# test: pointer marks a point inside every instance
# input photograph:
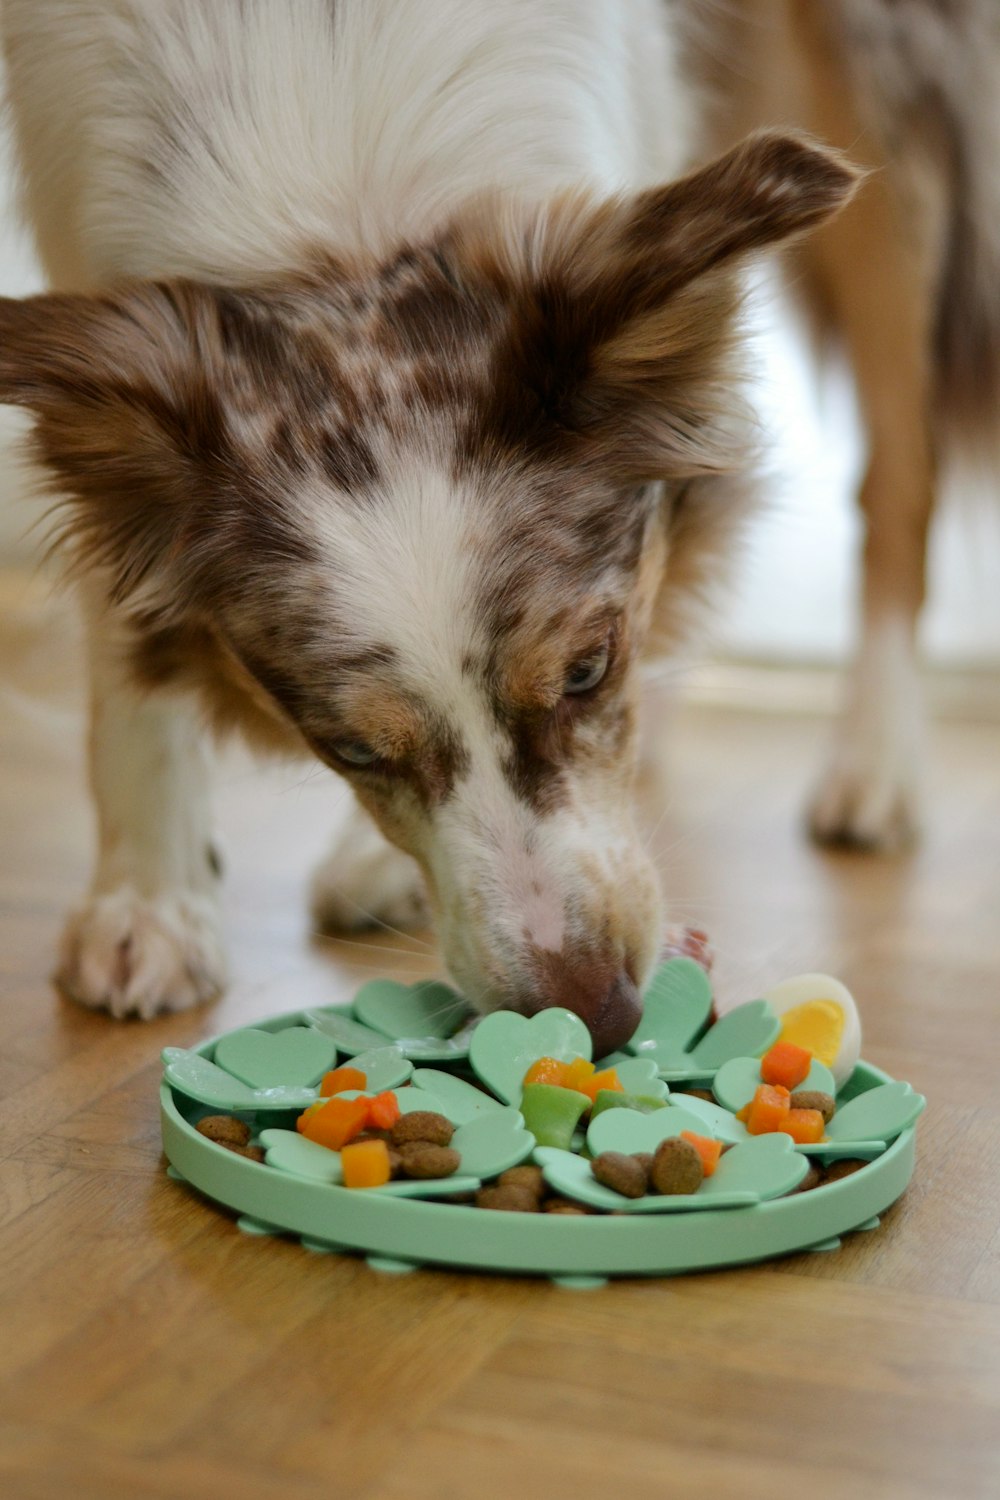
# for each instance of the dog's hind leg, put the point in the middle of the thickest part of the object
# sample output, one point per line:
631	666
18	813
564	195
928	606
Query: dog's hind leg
366	882
147	938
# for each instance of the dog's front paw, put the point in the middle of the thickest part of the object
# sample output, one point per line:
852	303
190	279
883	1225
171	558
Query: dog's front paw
871	795
365	883
135	956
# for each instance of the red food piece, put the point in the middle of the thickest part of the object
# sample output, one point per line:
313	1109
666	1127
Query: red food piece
708	1149
339	1080
769	1109
383	1111
334	1123
805	1126
786	1064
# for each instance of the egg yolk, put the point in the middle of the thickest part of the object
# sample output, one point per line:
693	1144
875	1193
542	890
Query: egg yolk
817	1025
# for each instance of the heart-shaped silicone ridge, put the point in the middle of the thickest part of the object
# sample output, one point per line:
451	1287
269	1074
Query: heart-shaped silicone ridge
736	1082
504	1045
461	1101
675	1007
383	1067
296	1057
490	1143
629	1131
571	1175
878	1114
350	1036
410	1011
195	1076
638	1075
287	1151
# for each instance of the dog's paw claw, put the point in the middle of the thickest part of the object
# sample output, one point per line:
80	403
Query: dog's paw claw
130	955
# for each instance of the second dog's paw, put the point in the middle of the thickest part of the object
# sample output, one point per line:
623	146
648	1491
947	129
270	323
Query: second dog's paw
135	956
367	883
868	802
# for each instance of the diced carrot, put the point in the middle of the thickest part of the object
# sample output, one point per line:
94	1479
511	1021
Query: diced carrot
365	1164
768	1109
334	1123
805	1126
383	1111
707	1149
607	1079
578	1074
744	1113
786	1064
339	1080
546	1070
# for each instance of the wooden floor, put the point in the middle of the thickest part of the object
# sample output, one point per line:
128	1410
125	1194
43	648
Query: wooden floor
147	1348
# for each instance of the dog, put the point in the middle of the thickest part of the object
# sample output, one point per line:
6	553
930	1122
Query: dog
391	381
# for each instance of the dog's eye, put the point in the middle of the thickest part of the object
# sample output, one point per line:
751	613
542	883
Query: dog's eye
355	752
586	674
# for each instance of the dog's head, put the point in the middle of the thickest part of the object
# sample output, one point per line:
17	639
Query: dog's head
421	515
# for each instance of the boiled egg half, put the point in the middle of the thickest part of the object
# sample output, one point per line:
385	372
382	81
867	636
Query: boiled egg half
818	1012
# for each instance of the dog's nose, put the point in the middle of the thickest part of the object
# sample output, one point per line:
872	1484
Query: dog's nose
612	1021
609	1006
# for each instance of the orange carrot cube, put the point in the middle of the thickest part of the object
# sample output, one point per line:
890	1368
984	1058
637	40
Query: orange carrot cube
708	1149
607	1079
805	1126
339	1080
786	1064
365	1164
768	1109
578	1074
383	1111
744	1113
546	1070
334	1123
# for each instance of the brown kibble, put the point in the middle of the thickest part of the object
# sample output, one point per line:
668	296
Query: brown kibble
226	1130
814	1099
563	1206
253	1153
645	1160
508	1199
705	1094
532	1178
844	1167
422	1125
811	1180
422	1159
676	1167
623	1173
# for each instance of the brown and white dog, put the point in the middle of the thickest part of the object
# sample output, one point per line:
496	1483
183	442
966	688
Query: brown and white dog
392	378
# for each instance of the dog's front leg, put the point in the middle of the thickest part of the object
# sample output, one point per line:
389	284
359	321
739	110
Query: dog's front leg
147	937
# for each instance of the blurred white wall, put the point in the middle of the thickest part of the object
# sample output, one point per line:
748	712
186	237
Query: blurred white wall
795	601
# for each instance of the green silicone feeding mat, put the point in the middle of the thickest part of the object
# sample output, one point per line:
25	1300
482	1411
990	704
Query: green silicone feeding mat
420	1042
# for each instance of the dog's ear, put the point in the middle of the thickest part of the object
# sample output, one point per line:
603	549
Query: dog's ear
125	391
623	314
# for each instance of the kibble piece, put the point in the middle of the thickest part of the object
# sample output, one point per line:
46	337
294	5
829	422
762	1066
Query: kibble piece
705	1094
676	1167
563	1206
508	1199
814	1099
623	1173
252	1153
645	1160
225	1129
423	1159
532	1178
422	1125
811	1180
843	1168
